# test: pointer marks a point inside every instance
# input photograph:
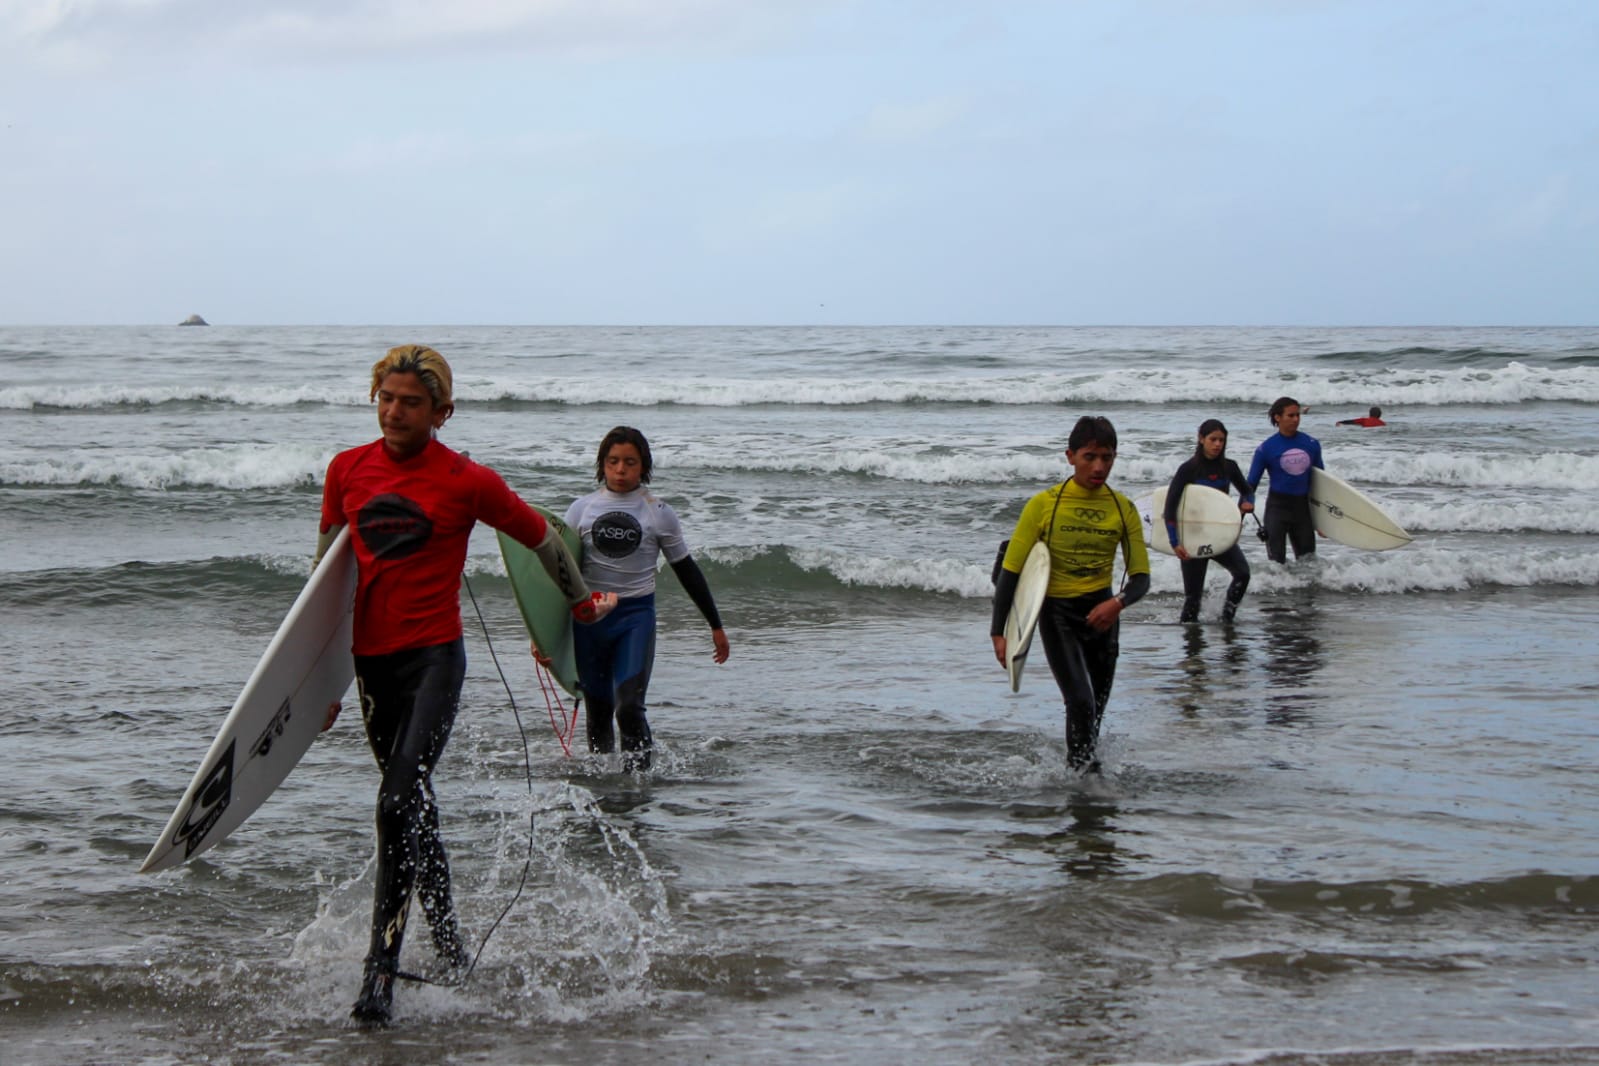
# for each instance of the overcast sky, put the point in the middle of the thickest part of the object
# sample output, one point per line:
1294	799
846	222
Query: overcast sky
800	161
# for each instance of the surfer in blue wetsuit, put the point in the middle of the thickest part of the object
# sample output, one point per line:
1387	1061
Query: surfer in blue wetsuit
1287	456
1210	467
625	528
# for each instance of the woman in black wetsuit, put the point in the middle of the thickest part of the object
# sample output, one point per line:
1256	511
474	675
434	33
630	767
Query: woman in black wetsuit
1210	467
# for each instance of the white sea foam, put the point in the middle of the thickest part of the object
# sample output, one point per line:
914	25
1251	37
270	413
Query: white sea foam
1513	383
92	396
1414	569
1490	514
233	466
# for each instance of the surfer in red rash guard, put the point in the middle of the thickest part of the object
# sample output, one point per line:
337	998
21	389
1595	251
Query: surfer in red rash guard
412	503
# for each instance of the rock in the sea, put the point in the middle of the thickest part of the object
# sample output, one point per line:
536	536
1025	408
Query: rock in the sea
194	320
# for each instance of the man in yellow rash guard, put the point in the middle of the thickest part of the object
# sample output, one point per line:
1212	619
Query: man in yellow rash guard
1084	521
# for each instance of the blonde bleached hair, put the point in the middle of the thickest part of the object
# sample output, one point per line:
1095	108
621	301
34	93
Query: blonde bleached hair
428	366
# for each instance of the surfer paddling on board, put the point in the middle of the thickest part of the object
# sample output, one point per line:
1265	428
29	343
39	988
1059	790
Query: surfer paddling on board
1371	420
1083	521
624	529
1287	457
1210	467
411	503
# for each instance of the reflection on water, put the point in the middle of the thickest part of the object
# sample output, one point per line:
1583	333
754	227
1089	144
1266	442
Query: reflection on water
1088	844
1294	657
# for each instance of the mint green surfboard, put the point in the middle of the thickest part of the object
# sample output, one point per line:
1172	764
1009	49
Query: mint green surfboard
545	611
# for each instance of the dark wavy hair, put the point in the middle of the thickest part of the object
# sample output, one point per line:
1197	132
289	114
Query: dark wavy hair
625	435
1281	404
1092	429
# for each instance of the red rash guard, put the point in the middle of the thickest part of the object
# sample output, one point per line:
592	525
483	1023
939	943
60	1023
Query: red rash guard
410	521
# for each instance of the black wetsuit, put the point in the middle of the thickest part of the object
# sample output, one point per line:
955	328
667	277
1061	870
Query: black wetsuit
408	704
1215	474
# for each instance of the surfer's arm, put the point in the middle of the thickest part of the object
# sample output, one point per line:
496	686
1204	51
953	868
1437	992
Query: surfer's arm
1246	494
1174	497
324	541
587	607
1257	467
1004	597
692	578
1104	614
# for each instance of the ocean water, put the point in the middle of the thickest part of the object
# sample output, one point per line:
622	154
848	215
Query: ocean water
1359	826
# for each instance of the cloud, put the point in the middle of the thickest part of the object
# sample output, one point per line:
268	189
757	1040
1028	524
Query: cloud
898	123
88	34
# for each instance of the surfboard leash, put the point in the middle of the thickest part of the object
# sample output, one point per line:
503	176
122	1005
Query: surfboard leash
565	727
527	766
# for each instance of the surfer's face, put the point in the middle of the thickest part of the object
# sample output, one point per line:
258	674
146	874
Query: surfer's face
1215	443
1288	420
1091	463
623	467
406	414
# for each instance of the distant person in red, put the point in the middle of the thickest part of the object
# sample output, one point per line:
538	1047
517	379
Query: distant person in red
1373	419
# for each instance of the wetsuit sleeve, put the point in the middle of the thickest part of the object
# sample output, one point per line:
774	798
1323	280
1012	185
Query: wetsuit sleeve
1029	529
1004	597
1174	498
693	581
1257	467
507	512
562	568
332	495
324	541
1134	553
1236	476
1319	464
1137	586
332	514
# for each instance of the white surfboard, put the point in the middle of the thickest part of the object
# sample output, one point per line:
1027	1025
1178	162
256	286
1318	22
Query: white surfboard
1343	513
1024	612
281	711
1208	521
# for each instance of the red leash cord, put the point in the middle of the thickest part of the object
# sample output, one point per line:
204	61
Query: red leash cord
564	724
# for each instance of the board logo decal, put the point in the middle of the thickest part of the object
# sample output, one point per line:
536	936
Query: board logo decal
616	534
274	729
210	800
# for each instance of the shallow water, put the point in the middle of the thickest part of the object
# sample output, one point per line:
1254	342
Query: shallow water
1357	827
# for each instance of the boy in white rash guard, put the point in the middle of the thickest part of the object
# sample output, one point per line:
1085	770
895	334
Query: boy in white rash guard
624	529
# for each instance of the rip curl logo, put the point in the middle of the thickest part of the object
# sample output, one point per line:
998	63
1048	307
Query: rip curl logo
616	534
1089	514
393	527
1294	461
210	800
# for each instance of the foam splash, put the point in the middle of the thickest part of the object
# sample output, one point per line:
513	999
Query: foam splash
1513	383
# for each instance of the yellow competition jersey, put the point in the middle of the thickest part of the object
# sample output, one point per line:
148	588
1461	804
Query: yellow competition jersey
1089	525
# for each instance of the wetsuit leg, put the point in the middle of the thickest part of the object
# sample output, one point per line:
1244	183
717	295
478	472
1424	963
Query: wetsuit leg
1237	565
615	656
632	659
1193	588
592	645
1084	664
408	702
1302	527
1277	520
